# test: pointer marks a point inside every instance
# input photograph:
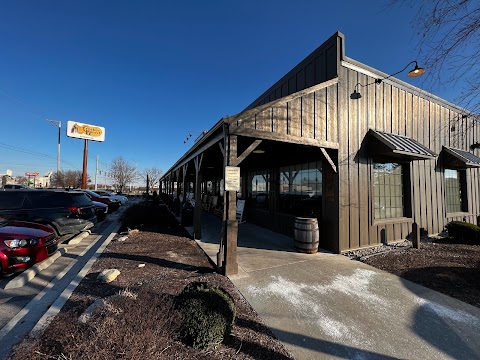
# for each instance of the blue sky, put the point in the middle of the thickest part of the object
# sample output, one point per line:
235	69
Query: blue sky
151	71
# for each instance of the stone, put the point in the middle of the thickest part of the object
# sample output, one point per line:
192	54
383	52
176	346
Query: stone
108	275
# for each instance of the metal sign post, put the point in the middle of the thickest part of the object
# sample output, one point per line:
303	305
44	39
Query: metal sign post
85	161
85	132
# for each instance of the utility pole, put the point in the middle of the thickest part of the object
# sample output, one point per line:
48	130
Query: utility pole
57	123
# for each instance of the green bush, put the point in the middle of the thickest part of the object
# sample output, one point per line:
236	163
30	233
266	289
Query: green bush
464	232
208	313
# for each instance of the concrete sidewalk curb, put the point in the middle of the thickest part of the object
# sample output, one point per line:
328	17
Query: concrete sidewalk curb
65	295
26	276
79	237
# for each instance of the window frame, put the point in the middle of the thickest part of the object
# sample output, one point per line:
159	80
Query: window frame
406	188
462	179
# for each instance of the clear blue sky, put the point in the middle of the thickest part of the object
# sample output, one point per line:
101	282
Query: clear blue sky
151	71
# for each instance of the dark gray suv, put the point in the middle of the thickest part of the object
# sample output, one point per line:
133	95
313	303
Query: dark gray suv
67	212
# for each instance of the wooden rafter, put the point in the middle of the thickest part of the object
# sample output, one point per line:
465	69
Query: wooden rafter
247	152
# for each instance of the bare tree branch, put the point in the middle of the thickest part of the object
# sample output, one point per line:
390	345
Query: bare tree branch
154	175
449	45
122	172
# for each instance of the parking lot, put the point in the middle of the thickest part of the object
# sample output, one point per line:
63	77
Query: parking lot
24	301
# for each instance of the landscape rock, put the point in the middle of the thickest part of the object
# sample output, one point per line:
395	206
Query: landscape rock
122	238
108	275
97	306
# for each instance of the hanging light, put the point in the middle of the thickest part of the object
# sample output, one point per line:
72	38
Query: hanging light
417	71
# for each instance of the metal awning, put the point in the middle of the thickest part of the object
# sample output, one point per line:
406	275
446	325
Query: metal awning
399	146
460	158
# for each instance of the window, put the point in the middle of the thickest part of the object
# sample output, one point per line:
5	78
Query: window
301	189
258	187
455	183
388	190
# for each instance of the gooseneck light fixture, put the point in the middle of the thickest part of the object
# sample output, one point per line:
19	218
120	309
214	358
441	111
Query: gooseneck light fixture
416	71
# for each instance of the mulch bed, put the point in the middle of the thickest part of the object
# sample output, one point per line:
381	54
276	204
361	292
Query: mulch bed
442	265
146	326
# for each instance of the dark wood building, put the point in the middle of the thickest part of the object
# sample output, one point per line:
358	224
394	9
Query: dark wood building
365	153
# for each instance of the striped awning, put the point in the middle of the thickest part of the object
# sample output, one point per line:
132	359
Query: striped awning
401	146
460	158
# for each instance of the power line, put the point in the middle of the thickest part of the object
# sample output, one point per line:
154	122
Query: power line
30	152
20	102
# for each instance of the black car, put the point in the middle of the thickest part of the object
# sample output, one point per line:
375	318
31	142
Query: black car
101	210
67	212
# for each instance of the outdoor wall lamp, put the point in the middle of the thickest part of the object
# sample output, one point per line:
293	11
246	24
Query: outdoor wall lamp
416	71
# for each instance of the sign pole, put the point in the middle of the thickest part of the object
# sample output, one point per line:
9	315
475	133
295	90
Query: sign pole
85	157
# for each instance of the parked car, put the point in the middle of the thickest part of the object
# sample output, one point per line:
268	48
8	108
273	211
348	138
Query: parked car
15	186
121	198
67	212
101	210
23	244
112	203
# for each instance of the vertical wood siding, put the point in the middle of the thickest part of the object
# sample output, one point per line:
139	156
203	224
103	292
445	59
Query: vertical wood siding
311	116
391	108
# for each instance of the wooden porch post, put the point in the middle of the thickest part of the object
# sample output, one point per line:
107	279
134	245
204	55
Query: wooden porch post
177	201
230	265
220	253
197	212
184	185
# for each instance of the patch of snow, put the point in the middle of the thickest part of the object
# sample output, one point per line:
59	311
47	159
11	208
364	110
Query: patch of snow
446	312
308	308
355	285
333	328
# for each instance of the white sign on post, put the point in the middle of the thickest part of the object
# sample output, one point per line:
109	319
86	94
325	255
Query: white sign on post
85	131
232	178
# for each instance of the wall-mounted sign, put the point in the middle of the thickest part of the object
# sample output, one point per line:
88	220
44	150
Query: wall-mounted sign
85	131
232	178
31	174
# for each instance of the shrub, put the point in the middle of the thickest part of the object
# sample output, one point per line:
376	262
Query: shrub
464	232
208	313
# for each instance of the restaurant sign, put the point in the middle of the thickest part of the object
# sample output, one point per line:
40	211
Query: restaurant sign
85	131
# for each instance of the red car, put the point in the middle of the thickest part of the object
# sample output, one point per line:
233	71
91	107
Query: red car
23	244
107	200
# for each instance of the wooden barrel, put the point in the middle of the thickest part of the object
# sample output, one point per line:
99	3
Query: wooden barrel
306	235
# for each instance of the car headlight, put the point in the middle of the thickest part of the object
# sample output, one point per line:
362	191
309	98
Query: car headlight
16	243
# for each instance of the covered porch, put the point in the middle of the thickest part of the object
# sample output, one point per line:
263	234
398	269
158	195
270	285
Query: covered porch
286	154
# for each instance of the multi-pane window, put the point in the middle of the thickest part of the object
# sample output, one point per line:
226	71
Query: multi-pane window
453	188
302	179
388	192
258	186
301	189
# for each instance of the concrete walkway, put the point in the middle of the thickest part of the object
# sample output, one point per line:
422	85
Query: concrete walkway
325	306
